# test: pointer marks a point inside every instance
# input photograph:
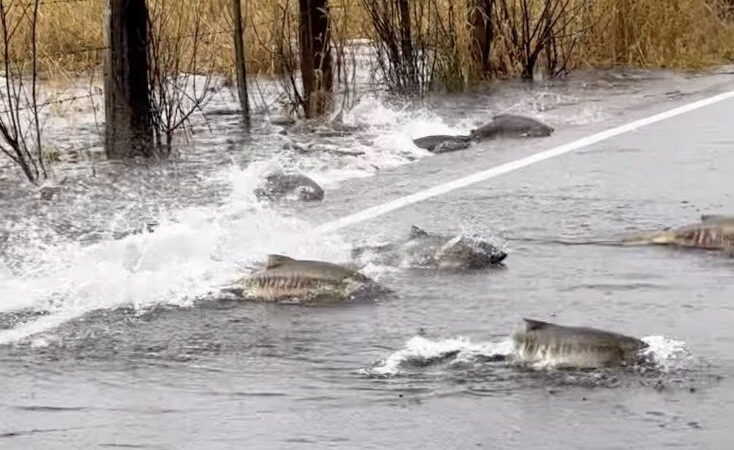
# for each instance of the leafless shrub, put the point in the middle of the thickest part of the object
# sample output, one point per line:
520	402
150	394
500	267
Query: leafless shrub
180	75
279	40
20	123
344	53
529	30
402	56
320	47
420	45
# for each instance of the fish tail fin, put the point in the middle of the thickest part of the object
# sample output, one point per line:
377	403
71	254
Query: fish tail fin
232	289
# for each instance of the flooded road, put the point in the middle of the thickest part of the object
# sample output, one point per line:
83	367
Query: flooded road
126	343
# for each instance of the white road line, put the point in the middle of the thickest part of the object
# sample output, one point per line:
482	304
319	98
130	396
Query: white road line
400	202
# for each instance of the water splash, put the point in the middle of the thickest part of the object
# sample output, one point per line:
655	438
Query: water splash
193	250
190	255
196	249
384	139
667	354
421	351
663	353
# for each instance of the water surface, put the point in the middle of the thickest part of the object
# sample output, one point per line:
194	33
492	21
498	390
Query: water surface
119	339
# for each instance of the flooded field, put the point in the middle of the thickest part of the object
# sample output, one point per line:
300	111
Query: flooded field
114	333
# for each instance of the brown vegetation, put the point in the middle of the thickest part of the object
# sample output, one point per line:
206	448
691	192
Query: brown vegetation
417	46
671	33
649	33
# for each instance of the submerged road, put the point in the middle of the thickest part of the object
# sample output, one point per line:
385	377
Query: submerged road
664	174
227	375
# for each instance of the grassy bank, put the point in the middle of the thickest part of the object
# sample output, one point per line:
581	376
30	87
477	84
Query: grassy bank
643	33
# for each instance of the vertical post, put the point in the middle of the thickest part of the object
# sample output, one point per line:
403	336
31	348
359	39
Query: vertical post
480	33
315	45
128	114
239	50
407	66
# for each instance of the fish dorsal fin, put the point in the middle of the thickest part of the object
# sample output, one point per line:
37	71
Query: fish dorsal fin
531	325
416	231
277	260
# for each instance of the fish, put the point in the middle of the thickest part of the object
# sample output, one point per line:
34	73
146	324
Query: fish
511	125
502	125
288	280
422	249
280	185
712	234
443	143
538	342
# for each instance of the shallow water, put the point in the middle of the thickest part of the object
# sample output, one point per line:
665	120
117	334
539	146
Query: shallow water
123	340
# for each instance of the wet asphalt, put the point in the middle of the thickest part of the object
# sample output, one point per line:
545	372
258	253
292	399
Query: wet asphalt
223	374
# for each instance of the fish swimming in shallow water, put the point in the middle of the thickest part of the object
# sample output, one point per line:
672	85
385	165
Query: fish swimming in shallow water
443	143
278	185
712	233
289	280
537	342
424	250
501	126
511	125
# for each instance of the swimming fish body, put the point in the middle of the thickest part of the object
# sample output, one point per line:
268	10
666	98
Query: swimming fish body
540	342
289	280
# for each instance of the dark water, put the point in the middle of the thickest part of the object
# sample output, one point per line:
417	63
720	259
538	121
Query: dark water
124	342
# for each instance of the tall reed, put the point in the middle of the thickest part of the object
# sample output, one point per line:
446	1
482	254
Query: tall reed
647	33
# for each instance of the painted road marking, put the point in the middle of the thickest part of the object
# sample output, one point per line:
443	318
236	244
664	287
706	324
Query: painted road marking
401	202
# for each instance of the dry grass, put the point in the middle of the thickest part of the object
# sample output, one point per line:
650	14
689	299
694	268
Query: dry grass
653	33
649	33
680	34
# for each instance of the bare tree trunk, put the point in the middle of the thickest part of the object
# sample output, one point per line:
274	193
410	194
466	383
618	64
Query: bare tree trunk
316	70
239	48
128	117
480	29
406	42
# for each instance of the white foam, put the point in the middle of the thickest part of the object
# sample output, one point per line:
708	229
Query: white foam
419	350
41	342
664	353
191	253
197	249
376	271
371	110
386	141
386	137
